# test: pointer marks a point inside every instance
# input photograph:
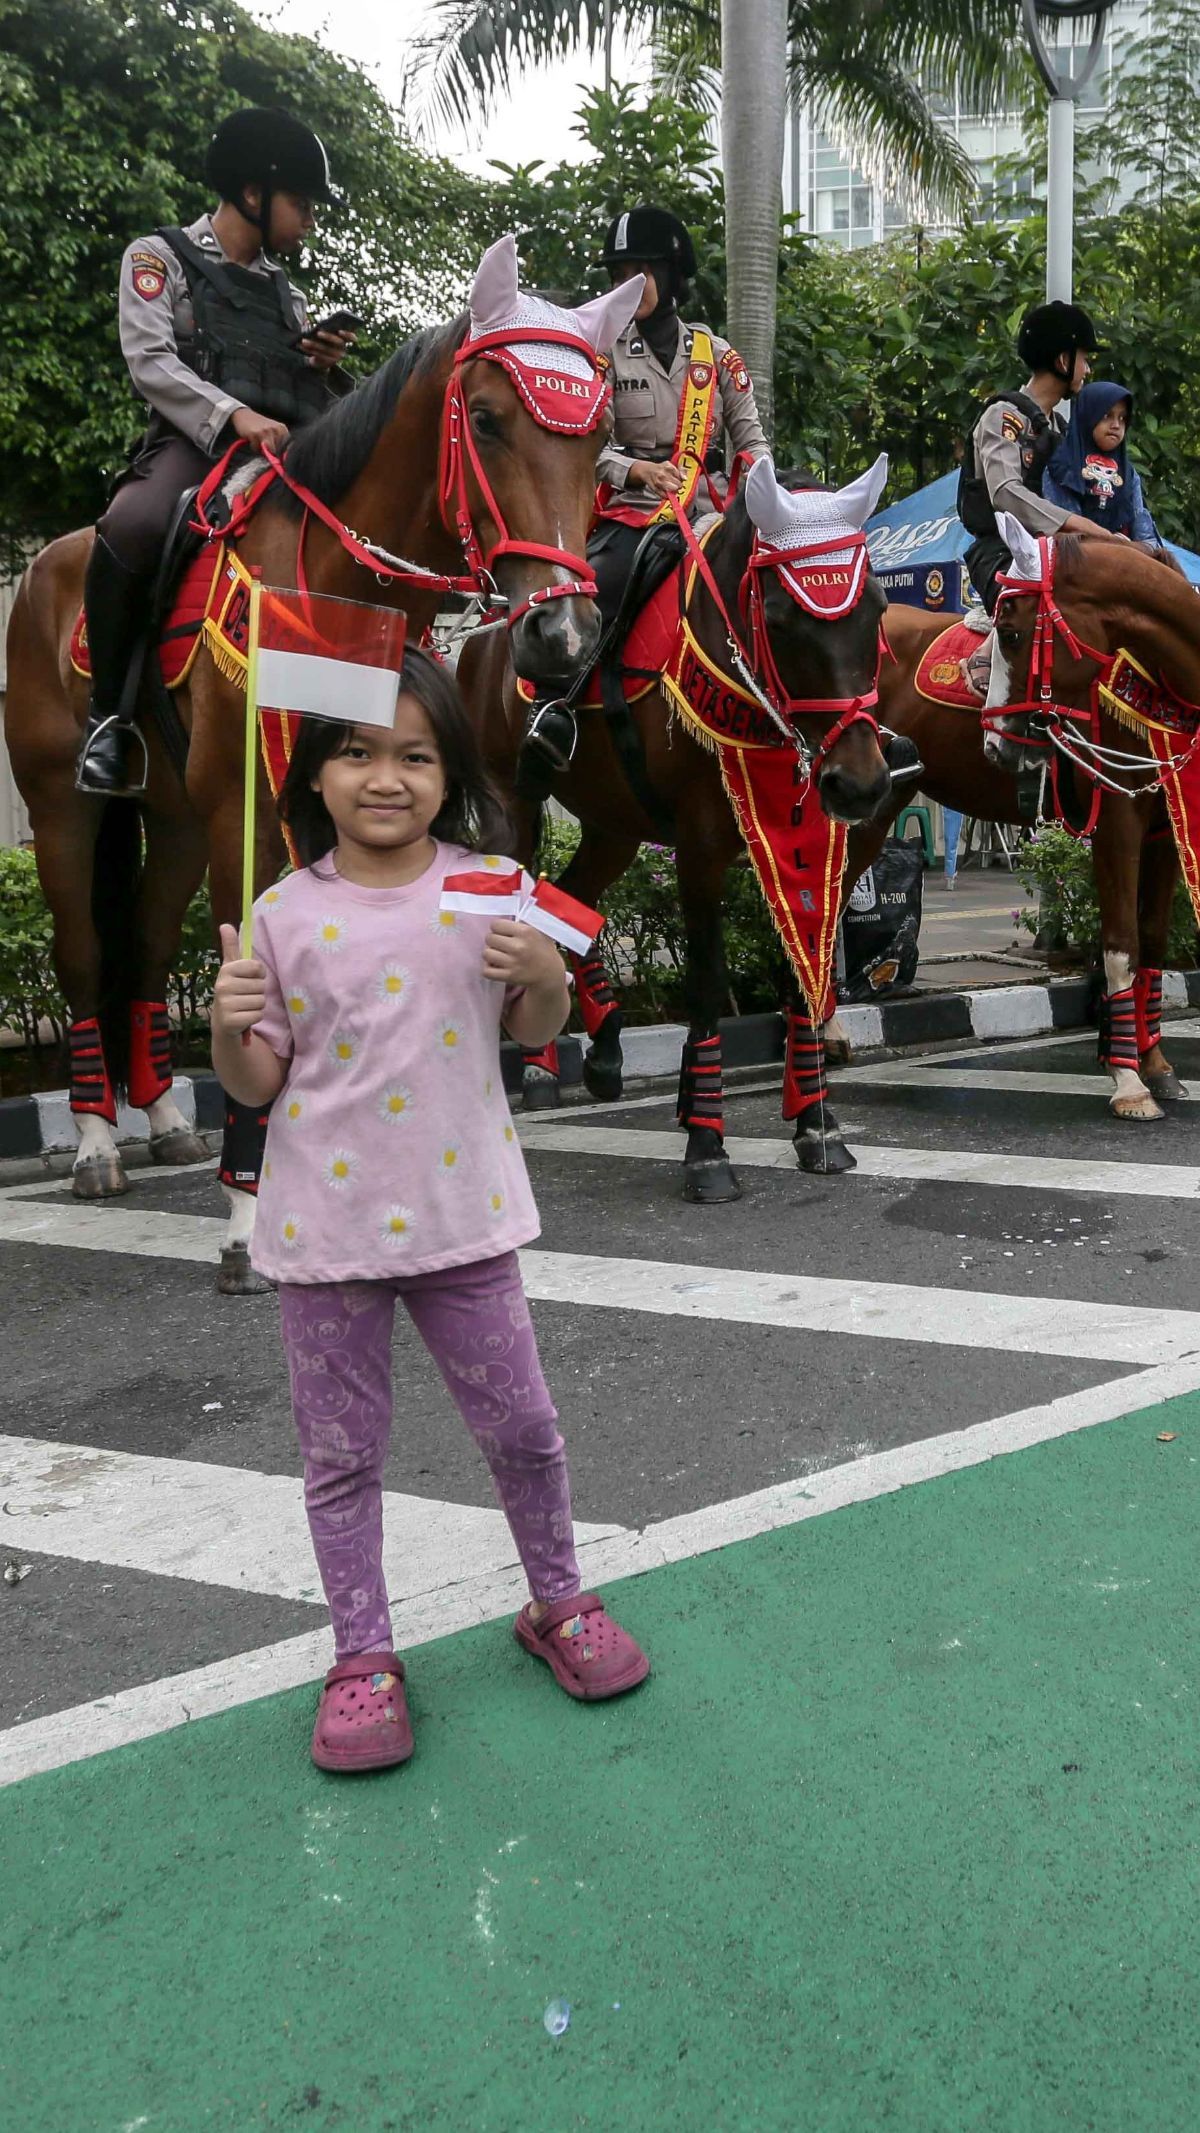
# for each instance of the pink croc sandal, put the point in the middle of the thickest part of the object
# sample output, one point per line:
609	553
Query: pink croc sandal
362	1718
589	1654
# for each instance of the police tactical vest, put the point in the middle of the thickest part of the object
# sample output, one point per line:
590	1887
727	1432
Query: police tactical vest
975	506
243	323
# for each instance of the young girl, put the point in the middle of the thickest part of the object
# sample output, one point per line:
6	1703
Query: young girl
392	1170
1090	471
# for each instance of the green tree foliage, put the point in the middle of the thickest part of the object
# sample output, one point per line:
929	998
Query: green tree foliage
106	107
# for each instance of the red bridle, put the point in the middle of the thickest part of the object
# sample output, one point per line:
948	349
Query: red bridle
783	706
458	454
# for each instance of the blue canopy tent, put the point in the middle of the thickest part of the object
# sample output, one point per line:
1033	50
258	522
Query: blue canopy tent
917	548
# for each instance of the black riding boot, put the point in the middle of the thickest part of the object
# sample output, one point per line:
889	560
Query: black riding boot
112	761
550	738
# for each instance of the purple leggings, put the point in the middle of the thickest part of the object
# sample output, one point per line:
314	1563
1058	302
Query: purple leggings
475	1322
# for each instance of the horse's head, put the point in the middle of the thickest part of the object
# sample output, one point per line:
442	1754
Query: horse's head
815	614
527	413
1050	641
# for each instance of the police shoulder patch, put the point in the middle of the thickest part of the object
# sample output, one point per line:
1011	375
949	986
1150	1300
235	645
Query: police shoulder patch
149	271
1012	425
732	362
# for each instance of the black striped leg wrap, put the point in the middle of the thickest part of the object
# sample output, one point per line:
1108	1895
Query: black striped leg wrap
803	1066
593	990
242	1145
1118	1031
91	1089
701	1092
1147	994
149	1052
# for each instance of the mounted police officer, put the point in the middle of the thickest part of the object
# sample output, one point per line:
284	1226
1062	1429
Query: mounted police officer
679	390
214	336
1008	449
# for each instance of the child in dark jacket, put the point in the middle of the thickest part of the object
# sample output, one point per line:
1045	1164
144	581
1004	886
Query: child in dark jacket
1091	473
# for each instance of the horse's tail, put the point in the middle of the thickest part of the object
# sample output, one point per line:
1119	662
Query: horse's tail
116	879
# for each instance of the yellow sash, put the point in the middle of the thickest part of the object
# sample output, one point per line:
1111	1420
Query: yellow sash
693	432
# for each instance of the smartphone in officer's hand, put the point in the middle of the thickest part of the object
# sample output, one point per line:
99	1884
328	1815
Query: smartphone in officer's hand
337	322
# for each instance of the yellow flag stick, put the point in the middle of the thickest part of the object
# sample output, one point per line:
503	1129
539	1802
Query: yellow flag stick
250	799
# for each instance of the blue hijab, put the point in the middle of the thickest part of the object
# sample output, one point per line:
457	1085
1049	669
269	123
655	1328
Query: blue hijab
1100	482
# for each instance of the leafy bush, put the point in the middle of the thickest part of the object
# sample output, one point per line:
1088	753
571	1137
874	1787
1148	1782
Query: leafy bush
29	994
29	991
1058	867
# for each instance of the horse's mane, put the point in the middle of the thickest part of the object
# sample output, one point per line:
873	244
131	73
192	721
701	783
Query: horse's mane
329	455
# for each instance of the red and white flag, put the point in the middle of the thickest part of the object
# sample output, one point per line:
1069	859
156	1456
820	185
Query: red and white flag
495	891
327	658
572	924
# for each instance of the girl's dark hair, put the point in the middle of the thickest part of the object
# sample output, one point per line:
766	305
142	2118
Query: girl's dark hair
473	813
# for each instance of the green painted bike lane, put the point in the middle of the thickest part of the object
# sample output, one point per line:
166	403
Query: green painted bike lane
902	1833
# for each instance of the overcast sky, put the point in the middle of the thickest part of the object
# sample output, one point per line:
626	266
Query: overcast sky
534	122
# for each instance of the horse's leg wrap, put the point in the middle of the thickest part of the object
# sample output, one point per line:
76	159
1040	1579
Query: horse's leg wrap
149	1052
91	1089
803	1065
546	1061
1147	998
1118	1031
242	1145
593	990
701	1092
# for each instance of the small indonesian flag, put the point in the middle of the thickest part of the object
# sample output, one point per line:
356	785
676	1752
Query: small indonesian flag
491	892
572	924
498	889
326	658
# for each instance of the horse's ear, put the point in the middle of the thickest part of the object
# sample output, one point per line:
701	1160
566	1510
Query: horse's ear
604	319
857	501
1022	546
495	288
769	507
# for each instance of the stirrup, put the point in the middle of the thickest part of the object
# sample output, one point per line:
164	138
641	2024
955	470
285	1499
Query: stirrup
536	736
122	788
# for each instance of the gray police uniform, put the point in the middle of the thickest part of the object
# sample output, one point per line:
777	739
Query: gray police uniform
189	413
646	399
1003	464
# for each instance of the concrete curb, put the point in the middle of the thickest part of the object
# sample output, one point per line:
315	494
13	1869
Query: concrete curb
42	1124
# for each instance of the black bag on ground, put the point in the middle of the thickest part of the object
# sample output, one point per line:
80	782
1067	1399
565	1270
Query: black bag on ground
881	922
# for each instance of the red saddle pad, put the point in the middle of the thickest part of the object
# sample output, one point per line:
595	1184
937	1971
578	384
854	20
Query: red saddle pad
179	639
938	676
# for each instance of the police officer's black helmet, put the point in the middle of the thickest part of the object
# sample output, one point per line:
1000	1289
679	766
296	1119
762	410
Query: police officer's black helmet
271	149
653	235
1051	330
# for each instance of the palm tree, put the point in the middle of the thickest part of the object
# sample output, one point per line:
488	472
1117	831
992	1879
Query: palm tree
863	65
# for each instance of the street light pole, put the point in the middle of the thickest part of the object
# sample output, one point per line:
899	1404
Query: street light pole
1064	91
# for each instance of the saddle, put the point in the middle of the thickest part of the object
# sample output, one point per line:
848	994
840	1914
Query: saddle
939	675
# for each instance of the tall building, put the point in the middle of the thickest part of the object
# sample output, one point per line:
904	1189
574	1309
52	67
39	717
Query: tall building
844	206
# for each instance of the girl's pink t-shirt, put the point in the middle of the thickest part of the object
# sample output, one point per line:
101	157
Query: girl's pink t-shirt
391	1149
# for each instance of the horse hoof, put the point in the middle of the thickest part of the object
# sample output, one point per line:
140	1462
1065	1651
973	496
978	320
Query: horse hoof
236	1276
603	1078
1166	1088
177	1147
539	1090
102	1177
1138	1108
824	1154
710	1182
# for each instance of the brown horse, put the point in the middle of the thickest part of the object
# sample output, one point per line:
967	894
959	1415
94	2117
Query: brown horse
682	795
1109	597
512	490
